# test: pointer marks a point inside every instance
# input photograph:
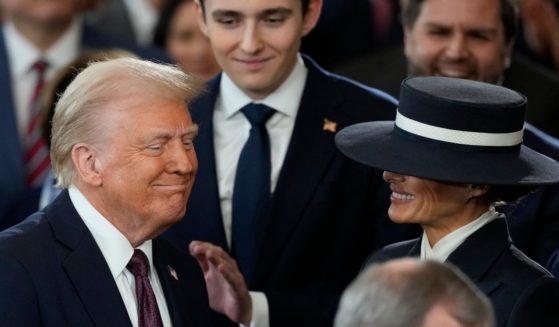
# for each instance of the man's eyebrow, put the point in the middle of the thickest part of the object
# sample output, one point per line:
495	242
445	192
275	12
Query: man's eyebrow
276	11
192	129
219	13
477	29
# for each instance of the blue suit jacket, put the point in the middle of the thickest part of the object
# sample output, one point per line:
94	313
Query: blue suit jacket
521	291
12	168
53	274
327	211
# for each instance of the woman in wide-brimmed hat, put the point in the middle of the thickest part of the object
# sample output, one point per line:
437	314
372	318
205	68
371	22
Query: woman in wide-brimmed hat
455	151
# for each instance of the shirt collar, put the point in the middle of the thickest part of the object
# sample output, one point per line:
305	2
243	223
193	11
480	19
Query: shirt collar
116	249
450	242
284	99
23	54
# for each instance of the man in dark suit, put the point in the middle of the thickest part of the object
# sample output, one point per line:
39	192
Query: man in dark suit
33	31
122	146
473	39
320	212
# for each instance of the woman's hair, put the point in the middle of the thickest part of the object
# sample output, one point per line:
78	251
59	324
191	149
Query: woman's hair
163	26
504	194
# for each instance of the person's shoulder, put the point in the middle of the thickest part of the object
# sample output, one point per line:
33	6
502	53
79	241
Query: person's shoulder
363	103
523	267
26	241
391	251
540	141
349	86
25	231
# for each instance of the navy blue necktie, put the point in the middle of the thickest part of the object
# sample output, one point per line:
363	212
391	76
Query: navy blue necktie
252	190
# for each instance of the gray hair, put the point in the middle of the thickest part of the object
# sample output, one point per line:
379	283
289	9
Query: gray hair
386	296
78	116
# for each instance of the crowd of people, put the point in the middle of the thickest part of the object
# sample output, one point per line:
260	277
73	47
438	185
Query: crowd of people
248	162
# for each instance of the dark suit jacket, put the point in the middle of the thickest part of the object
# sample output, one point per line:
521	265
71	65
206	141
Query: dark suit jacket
521	291
12	168
53	274
327	211
533	223
112	17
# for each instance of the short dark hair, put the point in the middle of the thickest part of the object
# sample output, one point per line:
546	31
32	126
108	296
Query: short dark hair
304	4
509	15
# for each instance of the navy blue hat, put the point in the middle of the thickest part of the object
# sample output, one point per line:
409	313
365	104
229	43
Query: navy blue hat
454	130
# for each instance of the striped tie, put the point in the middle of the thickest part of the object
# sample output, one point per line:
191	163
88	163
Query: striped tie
37	160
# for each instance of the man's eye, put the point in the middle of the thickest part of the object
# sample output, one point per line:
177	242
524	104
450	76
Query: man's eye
155	147
188	144
227	21
437	32
274	20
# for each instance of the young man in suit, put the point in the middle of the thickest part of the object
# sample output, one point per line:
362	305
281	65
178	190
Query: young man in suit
297	215
122	146
52	34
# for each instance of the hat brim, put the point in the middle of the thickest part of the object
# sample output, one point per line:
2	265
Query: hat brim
379	145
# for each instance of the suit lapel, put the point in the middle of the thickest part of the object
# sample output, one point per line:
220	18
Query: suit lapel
493	238
303	169
170	284
86	266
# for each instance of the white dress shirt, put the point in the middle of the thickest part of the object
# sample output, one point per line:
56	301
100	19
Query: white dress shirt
231	131
22	54
117	251
450	242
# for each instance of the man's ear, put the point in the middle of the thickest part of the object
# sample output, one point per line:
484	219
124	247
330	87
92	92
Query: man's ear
312	15
200	18
87	164
478	190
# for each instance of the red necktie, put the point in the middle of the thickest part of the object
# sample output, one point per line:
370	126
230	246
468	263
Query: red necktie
148	311
37	160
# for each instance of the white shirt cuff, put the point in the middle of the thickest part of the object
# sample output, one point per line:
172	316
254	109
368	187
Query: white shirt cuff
260	310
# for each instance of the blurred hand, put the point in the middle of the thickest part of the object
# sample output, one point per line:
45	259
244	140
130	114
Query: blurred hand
227	290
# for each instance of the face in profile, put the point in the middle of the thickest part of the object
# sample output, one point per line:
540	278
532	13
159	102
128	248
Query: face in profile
188	45
433	204
148	167
256	41
458	38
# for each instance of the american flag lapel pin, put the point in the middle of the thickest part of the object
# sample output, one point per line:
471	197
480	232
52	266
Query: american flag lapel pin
329	125
173	272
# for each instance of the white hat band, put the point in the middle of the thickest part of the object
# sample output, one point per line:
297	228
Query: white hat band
457	136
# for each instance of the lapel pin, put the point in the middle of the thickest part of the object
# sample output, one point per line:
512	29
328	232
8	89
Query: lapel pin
329	125
173	273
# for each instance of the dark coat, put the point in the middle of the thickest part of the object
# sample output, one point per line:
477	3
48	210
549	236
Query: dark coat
53	275
521	291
